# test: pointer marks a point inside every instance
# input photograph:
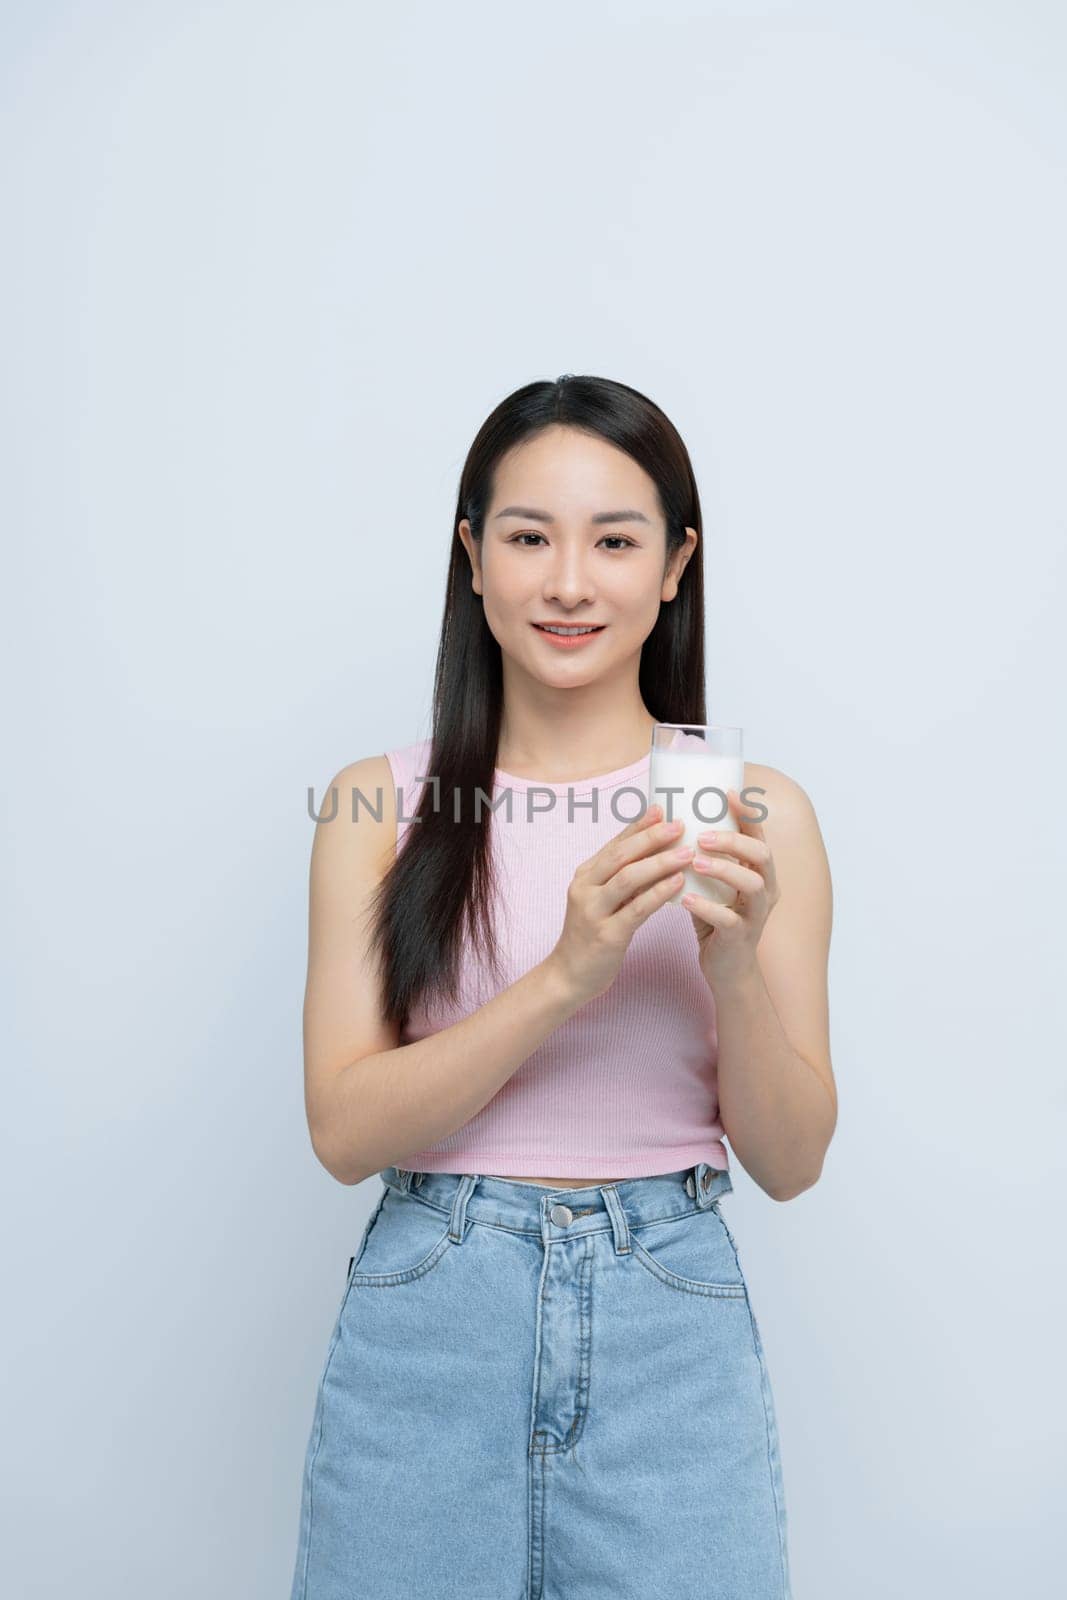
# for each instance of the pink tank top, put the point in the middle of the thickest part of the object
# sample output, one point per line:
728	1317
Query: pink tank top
627	1085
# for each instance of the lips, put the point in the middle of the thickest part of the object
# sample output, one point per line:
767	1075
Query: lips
592	627
569	641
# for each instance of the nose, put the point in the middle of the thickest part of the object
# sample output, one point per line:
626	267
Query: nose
568	581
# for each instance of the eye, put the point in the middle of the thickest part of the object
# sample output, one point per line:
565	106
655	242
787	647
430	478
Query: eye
619	539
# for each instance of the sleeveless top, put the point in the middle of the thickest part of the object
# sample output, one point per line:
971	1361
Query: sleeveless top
627	1084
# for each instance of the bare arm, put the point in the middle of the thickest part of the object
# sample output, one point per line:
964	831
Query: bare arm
397	1101
776	1080
372	1101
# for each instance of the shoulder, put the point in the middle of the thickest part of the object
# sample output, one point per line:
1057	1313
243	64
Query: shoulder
368	775
789	806
356	816
790	827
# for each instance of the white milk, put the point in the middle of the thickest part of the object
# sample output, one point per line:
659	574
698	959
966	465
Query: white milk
691	770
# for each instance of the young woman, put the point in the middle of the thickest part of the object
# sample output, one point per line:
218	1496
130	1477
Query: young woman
544	1387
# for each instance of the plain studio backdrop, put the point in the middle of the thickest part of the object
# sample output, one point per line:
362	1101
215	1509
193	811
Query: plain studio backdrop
266	269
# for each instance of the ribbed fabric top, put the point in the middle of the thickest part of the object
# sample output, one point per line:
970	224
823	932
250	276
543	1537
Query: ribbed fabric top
627	1085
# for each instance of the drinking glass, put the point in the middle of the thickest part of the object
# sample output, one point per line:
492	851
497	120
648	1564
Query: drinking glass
692	766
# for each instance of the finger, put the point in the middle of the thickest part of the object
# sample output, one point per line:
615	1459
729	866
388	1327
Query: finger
710	912
750	841
744	879
642	905
645	819
756	852
754	831
629	847
647	870
651	817
603	862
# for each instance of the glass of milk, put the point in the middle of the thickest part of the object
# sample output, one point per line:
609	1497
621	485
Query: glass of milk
692	767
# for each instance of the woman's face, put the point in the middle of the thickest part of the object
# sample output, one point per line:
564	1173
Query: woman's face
573	534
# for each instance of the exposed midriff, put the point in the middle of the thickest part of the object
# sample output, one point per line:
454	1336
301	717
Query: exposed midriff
564	1183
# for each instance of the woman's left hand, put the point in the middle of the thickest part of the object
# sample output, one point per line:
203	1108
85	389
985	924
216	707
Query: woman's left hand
727	936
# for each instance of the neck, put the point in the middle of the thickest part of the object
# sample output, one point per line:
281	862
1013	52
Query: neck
563	749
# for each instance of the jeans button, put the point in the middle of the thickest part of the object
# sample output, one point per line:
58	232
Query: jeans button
562	1216
705	1182
690	1187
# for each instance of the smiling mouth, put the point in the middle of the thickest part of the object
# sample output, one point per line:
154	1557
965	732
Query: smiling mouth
564	632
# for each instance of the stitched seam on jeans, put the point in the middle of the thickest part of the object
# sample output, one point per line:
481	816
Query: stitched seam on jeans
585	1330
778	1509
712	1291
389	1280
334	1342
368	1230
310	1507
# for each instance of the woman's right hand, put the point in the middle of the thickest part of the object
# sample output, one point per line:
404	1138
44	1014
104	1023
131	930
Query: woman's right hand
612	894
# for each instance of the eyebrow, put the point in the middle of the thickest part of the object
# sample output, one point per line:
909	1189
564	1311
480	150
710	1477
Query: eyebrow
533	515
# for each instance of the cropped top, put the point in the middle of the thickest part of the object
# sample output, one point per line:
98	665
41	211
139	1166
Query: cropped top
627	1084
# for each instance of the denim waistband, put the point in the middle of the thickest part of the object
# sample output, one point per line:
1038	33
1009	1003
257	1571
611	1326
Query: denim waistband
529	1208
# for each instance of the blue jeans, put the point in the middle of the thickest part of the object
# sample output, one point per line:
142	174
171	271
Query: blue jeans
538	1394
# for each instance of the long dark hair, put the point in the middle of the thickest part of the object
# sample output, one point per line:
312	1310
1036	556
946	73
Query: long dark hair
440	888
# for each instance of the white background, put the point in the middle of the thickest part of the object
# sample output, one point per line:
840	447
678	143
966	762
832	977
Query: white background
266	268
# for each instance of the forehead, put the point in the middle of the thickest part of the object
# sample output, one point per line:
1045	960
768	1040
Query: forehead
564	469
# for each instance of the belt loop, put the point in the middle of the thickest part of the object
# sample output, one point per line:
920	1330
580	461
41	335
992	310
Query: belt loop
619	1225
458	1219
703	1180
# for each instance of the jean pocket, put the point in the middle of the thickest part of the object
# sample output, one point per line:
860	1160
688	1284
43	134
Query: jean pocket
404	1239
694	1253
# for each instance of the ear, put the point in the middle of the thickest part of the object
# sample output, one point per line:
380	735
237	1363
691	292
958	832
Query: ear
474	554
677	565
